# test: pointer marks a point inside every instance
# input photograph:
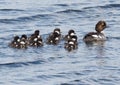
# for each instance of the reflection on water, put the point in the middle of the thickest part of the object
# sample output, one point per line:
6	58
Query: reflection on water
99	47
100	51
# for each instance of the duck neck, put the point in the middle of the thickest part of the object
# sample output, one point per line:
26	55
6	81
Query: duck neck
98	32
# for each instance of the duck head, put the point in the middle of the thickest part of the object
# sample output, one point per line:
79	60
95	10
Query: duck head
71	32
36	32
16	38
24	37
57	30
100	26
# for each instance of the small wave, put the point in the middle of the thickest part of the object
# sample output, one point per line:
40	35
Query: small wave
105	80
111	6
14	64
46	16
70	11
25	18
75	82
66	84
105	6
62	5
116	38
11	10
19	19
20	64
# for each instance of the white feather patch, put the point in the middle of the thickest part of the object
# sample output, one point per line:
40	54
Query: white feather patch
15	43
38	36
18	40
73	39
95	36
39	41
68	36
22	42
35	44
35	39
100	37
56	38
71	43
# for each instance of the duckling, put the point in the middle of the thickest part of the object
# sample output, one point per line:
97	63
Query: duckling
54	37
35	39
15	43
71	44
23	41
69	35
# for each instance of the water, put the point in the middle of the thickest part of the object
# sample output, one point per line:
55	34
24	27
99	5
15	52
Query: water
97	64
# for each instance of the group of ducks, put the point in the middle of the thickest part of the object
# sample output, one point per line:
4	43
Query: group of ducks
55	37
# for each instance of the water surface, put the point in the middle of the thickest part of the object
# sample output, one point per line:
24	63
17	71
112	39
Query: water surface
97	64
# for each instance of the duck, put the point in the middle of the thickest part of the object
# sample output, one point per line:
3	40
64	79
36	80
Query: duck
15	43
98	35
71	44
35	39
70	34
54	37
23	41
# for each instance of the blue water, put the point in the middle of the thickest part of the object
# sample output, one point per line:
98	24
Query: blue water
96	64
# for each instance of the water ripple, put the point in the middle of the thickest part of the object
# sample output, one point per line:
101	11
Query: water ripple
105	6
70	11
20	64
97	64
26	18
62	5
9	10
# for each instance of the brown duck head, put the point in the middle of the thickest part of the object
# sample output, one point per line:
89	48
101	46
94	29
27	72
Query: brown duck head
100	26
